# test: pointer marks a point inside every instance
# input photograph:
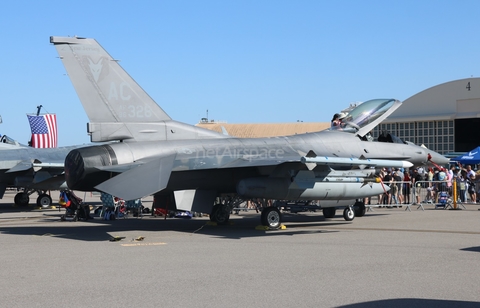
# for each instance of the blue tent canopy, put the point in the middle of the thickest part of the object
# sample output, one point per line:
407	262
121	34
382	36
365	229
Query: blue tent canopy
470	158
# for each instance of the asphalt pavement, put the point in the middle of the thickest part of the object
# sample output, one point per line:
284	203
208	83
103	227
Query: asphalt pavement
388	258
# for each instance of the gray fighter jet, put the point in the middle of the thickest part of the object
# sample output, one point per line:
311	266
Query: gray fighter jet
32	169
149	153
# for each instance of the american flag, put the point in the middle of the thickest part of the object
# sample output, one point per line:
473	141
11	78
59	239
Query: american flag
44	130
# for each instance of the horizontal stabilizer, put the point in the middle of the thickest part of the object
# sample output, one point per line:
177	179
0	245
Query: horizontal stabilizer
141	181
344	161
21	166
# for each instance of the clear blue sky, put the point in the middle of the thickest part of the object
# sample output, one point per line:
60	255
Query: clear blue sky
245	61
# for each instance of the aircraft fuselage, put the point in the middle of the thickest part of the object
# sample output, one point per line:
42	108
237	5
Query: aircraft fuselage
213	163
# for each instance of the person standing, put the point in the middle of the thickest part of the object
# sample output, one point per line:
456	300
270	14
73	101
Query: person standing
472	188
468	175
406	186
416	181
399	179
387	181
462	185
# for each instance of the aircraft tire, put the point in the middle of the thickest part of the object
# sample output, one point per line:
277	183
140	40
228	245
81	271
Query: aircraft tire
262	216
271	217
360	209
44	201
329	212
213	213
21	199
220	214
348	213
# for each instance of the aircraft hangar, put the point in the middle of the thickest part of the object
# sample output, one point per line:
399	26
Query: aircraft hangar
445	118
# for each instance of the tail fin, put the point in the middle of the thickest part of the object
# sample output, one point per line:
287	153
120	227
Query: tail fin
117	107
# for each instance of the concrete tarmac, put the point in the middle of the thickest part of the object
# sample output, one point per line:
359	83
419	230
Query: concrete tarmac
388	258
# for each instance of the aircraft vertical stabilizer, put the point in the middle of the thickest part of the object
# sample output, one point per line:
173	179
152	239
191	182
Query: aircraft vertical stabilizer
117	107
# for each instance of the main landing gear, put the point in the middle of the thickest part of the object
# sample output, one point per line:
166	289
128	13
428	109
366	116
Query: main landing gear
23	199
220	213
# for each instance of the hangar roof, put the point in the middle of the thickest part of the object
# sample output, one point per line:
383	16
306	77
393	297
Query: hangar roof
258	130
451	100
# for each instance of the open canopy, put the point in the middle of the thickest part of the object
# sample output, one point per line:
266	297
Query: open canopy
363	118
470	158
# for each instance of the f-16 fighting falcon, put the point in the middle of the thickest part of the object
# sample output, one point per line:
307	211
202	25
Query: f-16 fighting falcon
34	169
149	153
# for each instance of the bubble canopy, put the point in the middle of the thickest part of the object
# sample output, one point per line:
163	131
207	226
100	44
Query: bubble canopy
363	118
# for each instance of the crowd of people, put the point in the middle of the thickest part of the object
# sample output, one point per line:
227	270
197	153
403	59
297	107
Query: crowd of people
419	185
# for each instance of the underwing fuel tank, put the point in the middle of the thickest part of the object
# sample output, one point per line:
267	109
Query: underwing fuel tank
311	189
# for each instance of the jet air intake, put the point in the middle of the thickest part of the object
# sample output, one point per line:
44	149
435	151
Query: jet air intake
81	167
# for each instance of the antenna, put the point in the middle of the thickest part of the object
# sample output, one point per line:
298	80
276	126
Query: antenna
38	109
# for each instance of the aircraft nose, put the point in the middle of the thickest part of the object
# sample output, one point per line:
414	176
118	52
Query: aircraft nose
438	158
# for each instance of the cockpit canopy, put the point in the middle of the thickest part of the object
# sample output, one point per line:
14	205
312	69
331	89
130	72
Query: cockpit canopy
363	118
8	140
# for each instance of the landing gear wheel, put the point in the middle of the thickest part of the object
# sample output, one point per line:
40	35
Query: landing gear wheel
360	209
329	212
262	216
271	217
44	201
348	213
220	214
213	213
21	199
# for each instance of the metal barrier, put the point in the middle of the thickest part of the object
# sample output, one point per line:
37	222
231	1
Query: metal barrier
400	193
437	193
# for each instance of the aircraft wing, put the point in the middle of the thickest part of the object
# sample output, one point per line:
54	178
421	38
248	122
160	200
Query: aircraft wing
155	174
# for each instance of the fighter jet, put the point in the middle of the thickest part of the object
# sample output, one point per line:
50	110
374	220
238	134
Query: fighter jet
33	169
149	153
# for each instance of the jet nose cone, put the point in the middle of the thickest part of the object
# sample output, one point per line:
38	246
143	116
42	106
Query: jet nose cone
438	158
